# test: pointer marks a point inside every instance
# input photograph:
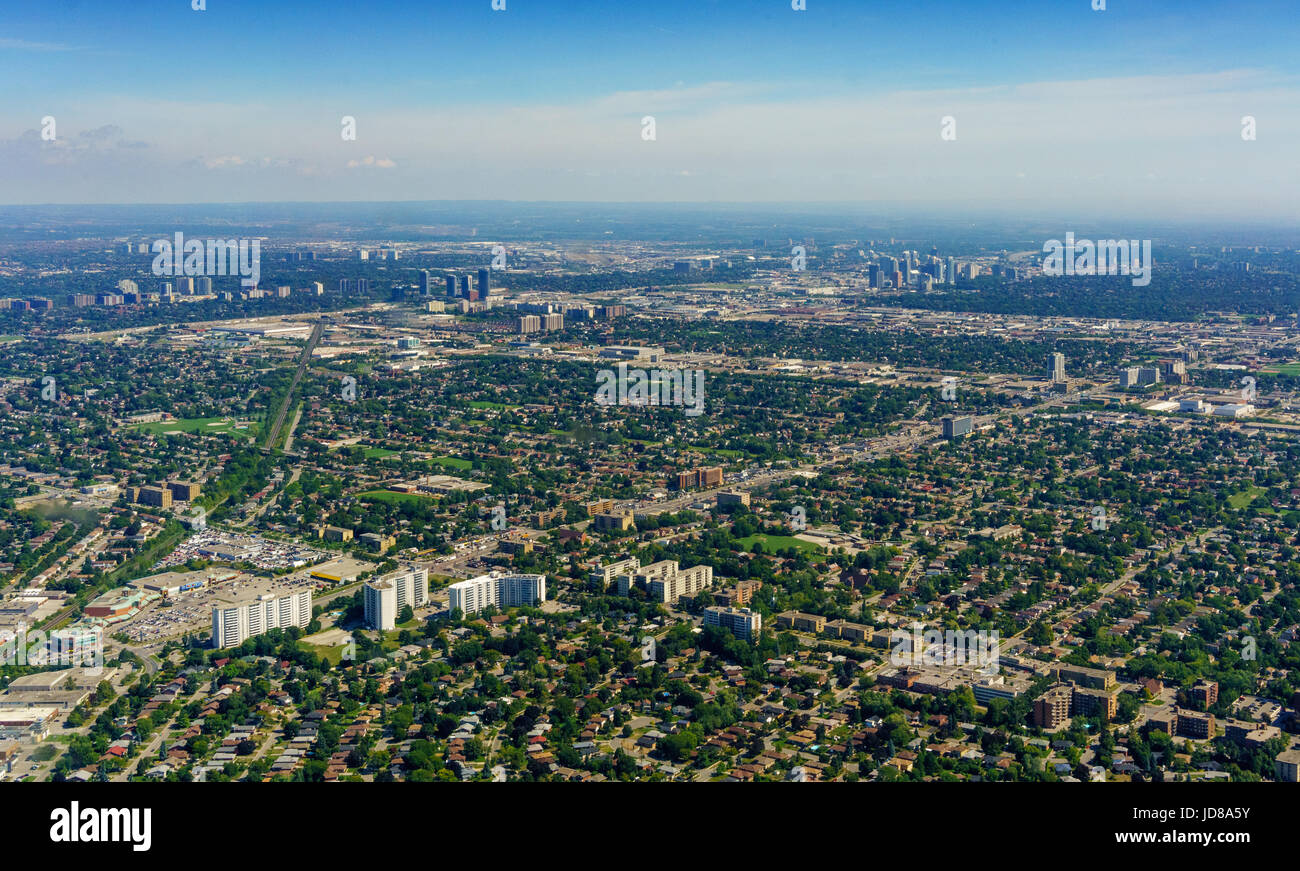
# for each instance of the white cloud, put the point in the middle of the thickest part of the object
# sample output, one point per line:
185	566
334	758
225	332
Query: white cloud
1148	144
25	45
371	160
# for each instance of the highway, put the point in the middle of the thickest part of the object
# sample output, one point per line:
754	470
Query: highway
274	434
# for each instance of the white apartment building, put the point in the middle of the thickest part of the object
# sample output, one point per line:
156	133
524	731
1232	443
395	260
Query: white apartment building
385	597
412	587
740	622
234	624
503	591
665	582
381	604
606	574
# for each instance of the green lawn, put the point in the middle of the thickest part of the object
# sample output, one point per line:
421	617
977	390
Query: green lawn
379	453
334	654
391	497
1285	369
214	425
1245	497
453	463
773	543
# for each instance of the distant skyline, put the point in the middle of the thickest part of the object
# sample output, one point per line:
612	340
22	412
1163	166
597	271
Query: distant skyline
1135	110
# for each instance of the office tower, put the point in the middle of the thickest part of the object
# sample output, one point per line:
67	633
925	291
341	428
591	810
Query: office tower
185	285
956	427
464	286
1057	368
873	275
451	285
317	288
165	288
423	280
203	285
484	282
950	272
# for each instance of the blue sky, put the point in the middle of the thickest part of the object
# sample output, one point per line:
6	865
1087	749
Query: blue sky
155	102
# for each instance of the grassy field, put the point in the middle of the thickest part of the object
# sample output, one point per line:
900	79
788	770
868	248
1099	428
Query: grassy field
379	453
773	543
334	654
1285	369
1245	497
390	497
453	463
722	452
214	425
